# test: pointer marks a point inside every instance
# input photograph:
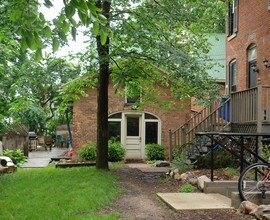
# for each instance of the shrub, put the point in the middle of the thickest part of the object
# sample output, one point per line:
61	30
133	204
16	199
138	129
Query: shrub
180	162
187	188
116	152
88	152
221	160
17	156
155	151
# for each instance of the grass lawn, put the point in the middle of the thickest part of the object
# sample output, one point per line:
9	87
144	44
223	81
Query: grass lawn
50	193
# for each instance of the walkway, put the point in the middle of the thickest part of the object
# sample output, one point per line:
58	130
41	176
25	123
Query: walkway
40	159
186	201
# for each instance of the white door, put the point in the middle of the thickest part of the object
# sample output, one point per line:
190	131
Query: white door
133	139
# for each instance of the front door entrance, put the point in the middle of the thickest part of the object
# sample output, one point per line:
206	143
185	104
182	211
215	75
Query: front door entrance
135	130
133	139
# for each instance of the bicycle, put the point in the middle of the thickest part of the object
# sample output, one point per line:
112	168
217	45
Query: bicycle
254	181
192	151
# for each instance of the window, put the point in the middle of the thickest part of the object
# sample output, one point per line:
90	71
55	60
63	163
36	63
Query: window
252	61
151	132
133	126
114	126
132	95
131	101
115	130
268	4
233	76
232	17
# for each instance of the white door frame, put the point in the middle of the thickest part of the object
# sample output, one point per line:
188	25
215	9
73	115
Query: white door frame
142	129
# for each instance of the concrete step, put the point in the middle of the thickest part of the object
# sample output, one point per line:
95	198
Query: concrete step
222	187
225	188
230	190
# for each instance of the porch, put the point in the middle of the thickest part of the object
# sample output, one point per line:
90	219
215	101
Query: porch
246	111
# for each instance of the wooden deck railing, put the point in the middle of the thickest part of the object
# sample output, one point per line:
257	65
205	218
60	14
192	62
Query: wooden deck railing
247	106
251	105
244	106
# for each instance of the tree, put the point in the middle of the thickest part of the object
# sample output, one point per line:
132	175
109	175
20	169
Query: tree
166	37
35	101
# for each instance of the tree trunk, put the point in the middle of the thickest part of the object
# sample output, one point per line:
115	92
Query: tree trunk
102	95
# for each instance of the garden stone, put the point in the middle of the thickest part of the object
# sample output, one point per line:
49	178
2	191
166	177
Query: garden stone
201	181
177	176
183	177
261	212
193	181
171	173
247	207
162	164
176	171
191	175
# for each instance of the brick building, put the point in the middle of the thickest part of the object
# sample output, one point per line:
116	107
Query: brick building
248	44
133	128
247	55
136	128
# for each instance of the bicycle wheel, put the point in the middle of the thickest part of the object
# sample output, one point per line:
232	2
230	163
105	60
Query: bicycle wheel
252	183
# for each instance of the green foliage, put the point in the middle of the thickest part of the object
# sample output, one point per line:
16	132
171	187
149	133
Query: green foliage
17	155
155	151
180	162
265	153
233	171
88	152
116	151
46	194
221	160
187	188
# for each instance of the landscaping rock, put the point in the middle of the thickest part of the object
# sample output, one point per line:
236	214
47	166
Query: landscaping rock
177	176
176	171
247	207
183	177
171	173
261	212
162	164
201	181
193	181
191	175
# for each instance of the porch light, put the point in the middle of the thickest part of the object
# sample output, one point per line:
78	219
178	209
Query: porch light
255	69
266	63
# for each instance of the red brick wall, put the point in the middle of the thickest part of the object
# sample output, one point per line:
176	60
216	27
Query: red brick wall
84	117
253	28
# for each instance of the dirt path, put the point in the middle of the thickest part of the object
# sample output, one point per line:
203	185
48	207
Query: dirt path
139	200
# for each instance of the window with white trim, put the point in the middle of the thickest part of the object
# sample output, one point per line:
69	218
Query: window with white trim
233	76
232	20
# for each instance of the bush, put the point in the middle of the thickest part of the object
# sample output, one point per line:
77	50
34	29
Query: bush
17	156
155	151
180	162
88	152
116	152
221	160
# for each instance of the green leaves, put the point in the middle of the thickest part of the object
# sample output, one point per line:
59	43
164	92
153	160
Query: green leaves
56	44
47	31
103	36
48	3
